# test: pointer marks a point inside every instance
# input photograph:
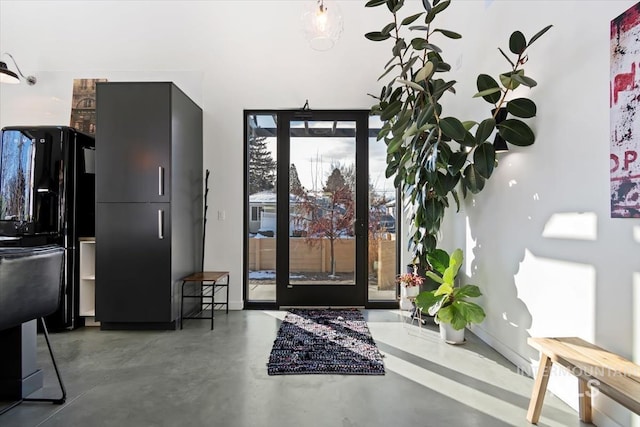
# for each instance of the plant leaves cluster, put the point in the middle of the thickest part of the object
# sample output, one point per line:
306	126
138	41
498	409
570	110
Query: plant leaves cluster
433	154
449	303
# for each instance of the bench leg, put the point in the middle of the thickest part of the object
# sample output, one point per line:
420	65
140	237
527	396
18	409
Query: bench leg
539	389
584	398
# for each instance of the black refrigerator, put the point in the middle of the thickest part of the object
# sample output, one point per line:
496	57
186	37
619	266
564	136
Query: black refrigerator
149	196
47	196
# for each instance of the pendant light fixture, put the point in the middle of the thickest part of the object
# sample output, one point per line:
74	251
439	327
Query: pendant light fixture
8	76
322	24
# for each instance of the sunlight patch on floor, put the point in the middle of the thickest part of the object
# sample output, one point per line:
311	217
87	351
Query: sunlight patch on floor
478	400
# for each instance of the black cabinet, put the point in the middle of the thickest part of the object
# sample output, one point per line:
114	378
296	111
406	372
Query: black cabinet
149	202
134	160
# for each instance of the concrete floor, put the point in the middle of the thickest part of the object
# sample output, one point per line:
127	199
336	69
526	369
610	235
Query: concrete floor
198	377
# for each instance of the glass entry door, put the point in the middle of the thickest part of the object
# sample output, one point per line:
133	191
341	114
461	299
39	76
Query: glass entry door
321	261
320	214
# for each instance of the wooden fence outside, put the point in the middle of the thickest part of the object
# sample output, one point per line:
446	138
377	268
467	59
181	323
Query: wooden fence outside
305	256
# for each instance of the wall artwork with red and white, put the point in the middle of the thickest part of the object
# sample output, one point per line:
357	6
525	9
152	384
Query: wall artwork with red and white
624	104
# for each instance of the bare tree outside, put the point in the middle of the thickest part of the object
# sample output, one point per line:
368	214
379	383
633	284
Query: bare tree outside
330	215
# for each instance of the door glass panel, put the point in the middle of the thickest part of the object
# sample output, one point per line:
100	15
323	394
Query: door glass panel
382	251
261	242
322	179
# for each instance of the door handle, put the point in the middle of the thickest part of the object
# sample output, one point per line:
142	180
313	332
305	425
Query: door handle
160	224
160	181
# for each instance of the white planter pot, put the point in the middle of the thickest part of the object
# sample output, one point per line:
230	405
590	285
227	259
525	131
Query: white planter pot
409	291
450	335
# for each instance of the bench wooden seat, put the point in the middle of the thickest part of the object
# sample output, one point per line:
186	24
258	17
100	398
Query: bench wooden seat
594	367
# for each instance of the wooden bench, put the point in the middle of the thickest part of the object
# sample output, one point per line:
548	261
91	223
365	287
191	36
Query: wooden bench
594	367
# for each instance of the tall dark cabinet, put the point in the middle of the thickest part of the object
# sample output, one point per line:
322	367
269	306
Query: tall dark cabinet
148	202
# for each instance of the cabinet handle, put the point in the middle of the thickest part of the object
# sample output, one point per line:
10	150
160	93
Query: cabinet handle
160	181
160	224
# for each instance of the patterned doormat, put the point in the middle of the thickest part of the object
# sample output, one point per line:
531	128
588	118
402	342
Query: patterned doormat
324	342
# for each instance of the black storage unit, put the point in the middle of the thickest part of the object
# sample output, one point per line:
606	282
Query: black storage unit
47	196
148	202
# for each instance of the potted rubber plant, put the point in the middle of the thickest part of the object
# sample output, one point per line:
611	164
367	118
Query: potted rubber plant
431	152
450	304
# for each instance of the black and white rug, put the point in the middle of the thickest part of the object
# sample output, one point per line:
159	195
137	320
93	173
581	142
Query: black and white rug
324	342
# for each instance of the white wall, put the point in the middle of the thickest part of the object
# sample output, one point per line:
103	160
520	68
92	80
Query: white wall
539	240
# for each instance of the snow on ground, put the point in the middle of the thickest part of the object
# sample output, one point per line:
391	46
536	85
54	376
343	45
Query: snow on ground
269	275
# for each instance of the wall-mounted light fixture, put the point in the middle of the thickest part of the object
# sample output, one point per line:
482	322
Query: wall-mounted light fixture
8	76
322	24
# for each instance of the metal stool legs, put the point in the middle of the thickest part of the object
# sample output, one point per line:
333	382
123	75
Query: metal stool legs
58	401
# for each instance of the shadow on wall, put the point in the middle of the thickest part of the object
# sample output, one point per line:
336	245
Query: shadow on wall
529	264
493	264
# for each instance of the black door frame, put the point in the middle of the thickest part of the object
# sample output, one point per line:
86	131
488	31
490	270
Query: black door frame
323	294
317	295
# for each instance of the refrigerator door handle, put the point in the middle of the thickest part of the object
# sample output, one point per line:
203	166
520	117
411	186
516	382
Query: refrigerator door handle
160	224
160	181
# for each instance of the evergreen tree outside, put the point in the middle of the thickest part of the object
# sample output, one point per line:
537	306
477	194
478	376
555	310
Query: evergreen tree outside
295	186
262	167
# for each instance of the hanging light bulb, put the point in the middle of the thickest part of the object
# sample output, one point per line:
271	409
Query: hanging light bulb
322	24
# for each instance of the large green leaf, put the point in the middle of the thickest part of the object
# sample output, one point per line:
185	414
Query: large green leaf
486	82
387	28
418	43
433	47
408	65
469	311
517	42
455	262
425	72
399	47
449	182
425	116
410	19
447	33
456	162
516	132
435	10
377	36
433	276
412	85
391	110
449	314
524	80
472	180
539	34
438	260
467	291
522	107
394	144
453	128
430	303
433	211
397	5
374	3
439	86
389	69
487	92
508	81
485	129
484	158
